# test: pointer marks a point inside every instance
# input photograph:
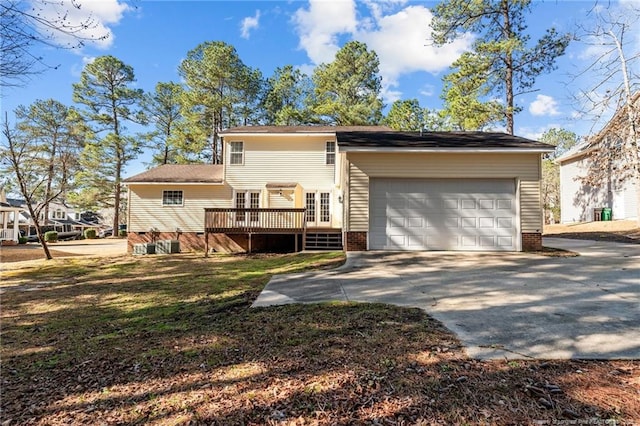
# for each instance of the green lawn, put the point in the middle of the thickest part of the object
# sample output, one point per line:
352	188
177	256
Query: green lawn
172	340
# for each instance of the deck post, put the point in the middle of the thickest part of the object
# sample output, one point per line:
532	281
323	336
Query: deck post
206	243
249	242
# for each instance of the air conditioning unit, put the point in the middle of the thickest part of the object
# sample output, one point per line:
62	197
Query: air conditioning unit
167	246
145	248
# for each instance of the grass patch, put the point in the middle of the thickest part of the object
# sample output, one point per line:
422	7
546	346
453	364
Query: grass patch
172	340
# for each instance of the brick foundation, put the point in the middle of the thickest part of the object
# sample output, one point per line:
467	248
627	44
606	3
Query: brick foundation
356	241
222	243
531	241
189	241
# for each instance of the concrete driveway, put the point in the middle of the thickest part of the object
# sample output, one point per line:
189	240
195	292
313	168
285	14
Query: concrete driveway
513	305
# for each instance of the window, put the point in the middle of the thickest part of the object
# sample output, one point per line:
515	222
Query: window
237	153
172	198
330	152
58	214
325	212
254	203
244	199
311	206
240	204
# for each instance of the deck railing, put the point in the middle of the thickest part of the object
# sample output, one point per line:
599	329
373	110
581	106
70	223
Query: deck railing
257	221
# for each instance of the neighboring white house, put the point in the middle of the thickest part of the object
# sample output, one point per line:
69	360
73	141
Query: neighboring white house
369	188
591	179
10	219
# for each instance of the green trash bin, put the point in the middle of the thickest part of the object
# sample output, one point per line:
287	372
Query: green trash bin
606	214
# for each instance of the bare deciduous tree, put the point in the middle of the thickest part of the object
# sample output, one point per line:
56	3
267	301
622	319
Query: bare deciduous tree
614	73
25	24
23	155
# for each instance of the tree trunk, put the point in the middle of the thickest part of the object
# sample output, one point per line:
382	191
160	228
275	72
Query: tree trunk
116	202
509	67
36	224
50	172
632	116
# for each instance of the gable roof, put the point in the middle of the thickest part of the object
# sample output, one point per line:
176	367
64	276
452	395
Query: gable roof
592	143
180	173
6	207
300	129
578	150
437	142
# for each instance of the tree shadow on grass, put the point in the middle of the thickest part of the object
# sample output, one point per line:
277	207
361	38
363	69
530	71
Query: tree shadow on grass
219	362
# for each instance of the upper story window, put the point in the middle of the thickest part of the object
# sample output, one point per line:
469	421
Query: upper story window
58	214
236	155
330	152
172	198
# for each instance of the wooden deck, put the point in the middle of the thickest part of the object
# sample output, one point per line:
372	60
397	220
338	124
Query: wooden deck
272	221
254	221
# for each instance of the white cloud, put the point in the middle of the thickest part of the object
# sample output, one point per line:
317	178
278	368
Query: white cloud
401	38
544	105
76	69
402	41
390	95
91	22
535	133
249	23
320	24
427	90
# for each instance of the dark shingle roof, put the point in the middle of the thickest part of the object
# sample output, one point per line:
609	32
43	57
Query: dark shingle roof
180	173
436	140
304	129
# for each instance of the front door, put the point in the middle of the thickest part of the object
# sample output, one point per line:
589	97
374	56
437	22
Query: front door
318	205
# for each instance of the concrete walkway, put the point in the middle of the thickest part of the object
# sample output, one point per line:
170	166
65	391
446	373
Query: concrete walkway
513	305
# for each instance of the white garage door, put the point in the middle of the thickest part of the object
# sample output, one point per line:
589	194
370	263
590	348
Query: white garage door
442	214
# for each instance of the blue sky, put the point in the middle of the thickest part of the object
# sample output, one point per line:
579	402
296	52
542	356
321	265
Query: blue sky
154	36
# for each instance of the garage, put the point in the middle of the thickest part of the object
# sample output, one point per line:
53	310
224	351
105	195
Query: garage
443	214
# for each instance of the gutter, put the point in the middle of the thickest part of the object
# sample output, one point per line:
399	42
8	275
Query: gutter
448	150
172	183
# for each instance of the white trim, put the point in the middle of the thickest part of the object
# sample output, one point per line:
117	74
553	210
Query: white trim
448	150
297	134
173	183
519	216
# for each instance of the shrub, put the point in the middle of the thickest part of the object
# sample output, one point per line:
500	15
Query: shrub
51	236
122	233
90	234
22	240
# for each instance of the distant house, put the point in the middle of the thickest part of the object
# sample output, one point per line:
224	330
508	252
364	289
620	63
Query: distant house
68	218
591	179
61	218
361	188
9	219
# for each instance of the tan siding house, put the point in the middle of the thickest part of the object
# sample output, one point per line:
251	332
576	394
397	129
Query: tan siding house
442	191
360	188
148	210
283	169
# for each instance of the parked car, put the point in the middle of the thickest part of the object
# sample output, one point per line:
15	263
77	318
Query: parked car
62	236
104	233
